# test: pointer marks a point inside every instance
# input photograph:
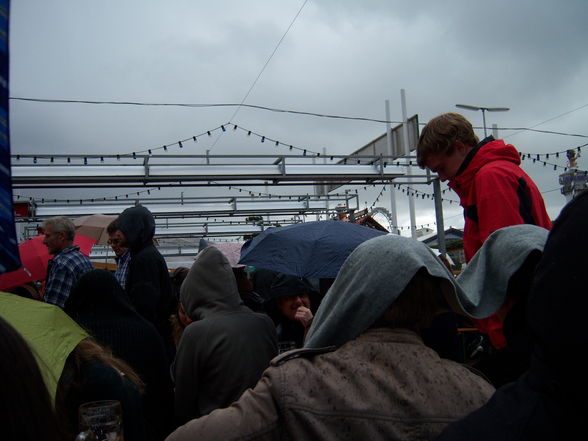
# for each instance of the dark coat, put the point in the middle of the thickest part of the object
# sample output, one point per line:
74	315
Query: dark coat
148	284
99	304
227	346
549	401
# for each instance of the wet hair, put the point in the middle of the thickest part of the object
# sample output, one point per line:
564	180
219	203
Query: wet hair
61	224
440	135
25	404
415	307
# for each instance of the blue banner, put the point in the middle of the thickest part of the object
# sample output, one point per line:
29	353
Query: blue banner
9	257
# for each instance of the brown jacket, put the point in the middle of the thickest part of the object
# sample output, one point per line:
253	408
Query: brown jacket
385	384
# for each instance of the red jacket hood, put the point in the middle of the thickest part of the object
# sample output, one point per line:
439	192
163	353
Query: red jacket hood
494	150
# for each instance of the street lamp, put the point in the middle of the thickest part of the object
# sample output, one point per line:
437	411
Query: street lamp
483	109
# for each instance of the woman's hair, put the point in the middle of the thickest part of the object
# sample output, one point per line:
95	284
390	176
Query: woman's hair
72	379
88	351
25	404
417	304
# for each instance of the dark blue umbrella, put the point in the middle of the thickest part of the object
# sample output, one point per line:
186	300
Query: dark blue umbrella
310	249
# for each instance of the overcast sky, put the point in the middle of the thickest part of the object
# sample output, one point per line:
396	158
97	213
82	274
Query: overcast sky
339	57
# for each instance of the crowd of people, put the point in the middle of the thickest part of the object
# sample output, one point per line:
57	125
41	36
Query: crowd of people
208	353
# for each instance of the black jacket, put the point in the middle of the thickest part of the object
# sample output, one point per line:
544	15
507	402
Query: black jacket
148	284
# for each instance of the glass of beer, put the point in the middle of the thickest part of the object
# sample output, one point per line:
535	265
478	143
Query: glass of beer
100	421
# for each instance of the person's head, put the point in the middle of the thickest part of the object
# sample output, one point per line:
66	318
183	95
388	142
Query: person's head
116	238
288	305
369	286
97	294
74	379
502	268
137	227
288	293
444	143
59	234
415	307
25	403
210	286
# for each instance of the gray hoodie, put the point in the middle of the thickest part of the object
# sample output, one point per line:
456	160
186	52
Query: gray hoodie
370	280
226	348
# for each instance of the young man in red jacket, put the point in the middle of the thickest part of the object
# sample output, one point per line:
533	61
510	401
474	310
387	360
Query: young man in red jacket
493	190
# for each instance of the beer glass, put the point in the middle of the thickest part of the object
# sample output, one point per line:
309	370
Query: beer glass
100	421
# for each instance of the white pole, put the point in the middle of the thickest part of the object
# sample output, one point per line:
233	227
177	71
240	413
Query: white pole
408	168
392	192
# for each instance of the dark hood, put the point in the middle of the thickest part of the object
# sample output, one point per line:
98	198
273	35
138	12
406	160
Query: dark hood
210	286
138	226
98	295
558	302
287	285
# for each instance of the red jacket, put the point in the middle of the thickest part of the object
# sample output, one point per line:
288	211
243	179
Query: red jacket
494	193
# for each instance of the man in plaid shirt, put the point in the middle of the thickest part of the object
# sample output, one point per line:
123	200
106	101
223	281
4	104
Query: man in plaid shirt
68	263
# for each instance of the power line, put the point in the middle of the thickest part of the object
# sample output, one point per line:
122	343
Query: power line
554	118
270	109
203	105
268	60
260	72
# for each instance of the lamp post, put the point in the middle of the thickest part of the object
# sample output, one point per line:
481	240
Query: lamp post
483	109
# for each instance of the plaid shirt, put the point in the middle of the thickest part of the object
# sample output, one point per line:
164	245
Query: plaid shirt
122	267
63	272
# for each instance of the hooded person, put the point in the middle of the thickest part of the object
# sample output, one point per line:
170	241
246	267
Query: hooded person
496	283
100	305
225	347
548	402
292	304
364	372
148	282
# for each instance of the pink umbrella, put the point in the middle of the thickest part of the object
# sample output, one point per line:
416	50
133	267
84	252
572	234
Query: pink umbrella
34	257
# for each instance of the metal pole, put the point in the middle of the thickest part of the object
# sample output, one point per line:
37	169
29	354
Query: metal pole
408	168
316	192
439	217
484	120
391	188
